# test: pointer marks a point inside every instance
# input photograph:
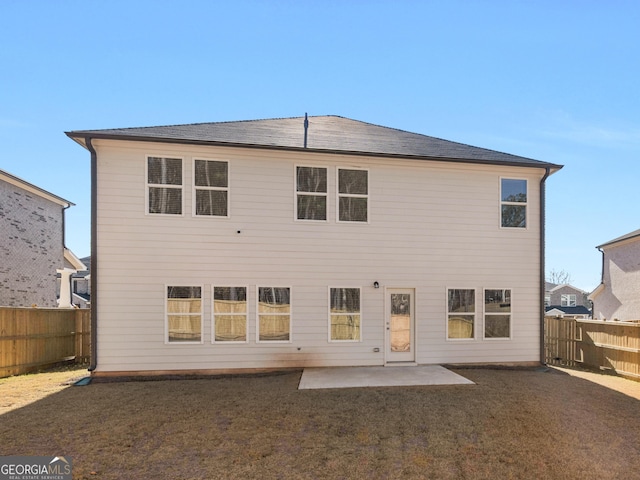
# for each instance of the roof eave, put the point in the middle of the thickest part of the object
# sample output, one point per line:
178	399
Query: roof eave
81	136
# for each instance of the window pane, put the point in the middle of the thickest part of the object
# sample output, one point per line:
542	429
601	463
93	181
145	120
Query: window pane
345	327
311	179
273	327
514	190
184	328
345	300
497	301
184	292
460	326
166	171
210	173
462	300
497	326
272	299
514	216
353	182
230	294
165	200
211	202
400	304
353	209
312	207
231	328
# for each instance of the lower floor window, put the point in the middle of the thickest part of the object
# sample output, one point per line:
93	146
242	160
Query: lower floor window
497	313
184	314
274	314
344	314
461	313
230	314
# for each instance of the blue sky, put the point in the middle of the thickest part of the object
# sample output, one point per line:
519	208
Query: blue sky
550	80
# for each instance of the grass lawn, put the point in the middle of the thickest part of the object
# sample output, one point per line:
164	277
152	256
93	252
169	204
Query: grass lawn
511	424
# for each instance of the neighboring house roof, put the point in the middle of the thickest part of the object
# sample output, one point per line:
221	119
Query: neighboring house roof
329	134
12	179
564	285
577	310
77	263
628	236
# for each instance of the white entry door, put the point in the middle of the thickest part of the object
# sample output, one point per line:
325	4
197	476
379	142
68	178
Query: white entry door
400	321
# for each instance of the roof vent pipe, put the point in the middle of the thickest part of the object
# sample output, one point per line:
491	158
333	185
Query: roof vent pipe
306	128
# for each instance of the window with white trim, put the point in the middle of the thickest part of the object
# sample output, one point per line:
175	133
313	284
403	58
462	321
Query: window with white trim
353	195
311	193
211	188
497	313
164	185
344	315
461	316
229	315
567	300
184	314
513	203
547	300
274	314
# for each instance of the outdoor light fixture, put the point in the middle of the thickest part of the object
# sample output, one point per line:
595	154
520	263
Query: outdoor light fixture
376	285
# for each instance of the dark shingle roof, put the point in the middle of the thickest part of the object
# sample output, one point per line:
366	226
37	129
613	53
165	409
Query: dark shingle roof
331	134
635	233
577	310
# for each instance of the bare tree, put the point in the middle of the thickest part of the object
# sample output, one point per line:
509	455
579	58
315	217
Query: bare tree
559	277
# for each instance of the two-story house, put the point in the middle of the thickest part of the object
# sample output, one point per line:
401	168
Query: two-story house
32	248
565	300
618	295
322	242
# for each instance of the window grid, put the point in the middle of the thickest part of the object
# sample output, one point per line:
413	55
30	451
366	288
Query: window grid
230	315
210	188
345	315
513	203
311	193
164	185
461	314
497	313
183	314
353	195
273	315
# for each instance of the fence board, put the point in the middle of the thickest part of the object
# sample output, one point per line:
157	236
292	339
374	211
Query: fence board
35	337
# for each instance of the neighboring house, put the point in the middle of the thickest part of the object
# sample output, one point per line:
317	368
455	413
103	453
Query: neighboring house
618	295
321	242
31	243
566	301
81	285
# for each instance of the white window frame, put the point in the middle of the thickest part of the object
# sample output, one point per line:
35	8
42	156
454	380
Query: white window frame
296	193
485	313
330	315
219	189
162	185
567	302
520	204
547	300
350	195
474	314
290	314
213	316
166	314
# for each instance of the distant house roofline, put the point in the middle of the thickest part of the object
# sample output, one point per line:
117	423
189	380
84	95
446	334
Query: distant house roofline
629	236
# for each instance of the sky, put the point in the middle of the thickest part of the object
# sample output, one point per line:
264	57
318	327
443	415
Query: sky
550	80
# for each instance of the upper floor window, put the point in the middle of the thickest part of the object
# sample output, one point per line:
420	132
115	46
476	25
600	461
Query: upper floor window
211	184
164	184
353	195
568	300
311	193
513	203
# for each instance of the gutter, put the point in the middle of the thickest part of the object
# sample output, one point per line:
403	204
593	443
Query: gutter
542	258
94	256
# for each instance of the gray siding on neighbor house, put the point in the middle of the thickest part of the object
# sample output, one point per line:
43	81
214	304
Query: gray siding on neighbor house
31	247
556	296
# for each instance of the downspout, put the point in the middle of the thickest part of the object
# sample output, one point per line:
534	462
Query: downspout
542	258
94	256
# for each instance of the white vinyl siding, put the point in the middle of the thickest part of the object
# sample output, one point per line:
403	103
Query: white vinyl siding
432	225
211	188
164	185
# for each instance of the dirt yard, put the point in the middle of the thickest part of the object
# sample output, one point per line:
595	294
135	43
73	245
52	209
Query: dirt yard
542	424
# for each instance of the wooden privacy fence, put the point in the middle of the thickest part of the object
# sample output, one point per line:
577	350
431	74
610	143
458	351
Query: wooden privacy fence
595	344
35	337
